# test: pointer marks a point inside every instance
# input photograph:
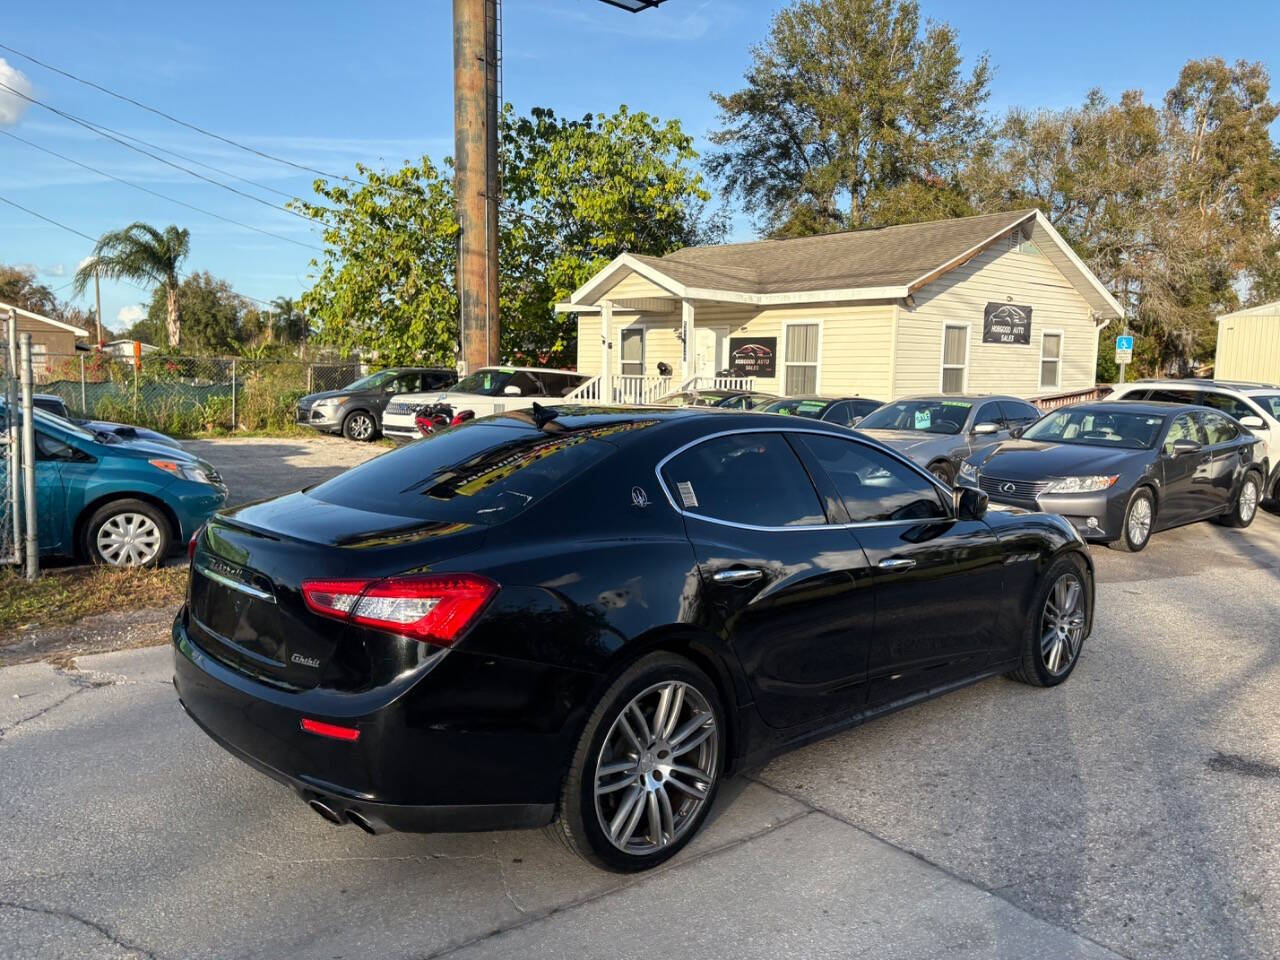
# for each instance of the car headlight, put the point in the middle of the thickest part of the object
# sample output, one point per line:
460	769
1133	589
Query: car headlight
180	468
332	401
968	472
1082	484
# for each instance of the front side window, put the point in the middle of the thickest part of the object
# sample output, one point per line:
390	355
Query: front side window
747	478
1227	404
989	412
955	358
632	359
487	383
1269	402
791	407
874	487
840	413
1050	359
1172	396
1183	427
800	363
1217	428
1019	413
372	382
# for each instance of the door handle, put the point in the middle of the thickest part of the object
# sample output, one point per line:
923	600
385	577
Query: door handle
896	563
736	575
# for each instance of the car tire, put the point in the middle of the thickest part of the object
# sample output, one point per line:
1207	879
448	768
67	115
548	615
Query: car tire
1135	534
1056	626
644	793
127	533
943	471
360	426
1245	506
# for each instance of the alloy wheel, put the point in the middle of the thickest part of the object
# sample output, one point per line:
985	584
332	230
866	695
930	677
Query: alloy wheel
656	768
1139	521
1248	500
128	540
360	427
1062	624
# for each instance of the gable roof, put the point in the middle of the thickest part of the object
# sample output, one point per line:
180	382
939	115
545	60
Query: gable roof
878	263
1261	310
5	308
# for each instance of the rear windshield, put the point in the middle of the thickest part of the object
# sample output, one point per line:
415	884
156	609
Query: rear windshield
798	408
475	473
926	416
1097	428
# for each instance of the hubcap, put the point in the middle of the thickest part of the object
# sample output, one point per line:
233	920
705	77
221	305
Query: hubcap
1140	520
128	540
361	427
1248	500
656	768
1062	624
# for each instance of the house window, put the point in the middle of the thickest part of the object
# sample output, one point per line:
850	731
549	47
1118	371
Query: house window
800	361
955	357
1050	360
633	352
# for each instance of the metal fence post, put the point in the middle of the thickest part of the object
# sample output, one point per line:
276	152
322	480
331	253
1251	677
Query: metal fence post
233	394
84	406
311	372
135	389
15	459
29	461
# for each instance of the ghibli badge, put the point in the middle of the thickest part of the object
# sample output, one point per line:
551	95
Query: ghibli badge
305	661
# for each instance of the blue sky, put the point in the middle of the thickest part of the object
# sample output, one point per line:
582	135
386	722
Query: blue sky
329	84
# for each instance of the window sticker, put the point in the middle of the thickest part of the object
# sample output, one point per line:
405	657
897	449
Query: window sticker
955	403
810	407
923	419
687	496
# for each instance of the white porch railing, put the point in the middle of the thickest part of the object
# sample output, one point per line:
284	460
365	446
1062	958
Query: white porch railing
623	390
743	384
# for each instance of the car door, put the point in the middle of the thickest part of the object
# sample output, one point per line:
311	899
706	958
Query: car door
938	580
51	500
790	593
1225	458
1183	473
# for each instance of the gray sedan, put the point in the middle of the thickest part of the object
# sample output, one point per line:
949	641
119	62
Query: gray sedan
941	432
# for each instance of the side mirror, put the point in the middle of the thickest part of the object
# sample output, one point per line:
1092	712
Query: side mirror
855	421
985	428
1016	432
970	503
1253	422
511	390
1185	446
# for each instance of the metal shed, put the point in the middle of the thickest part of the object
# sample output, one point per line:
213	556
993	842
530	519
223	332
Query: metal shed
1249	344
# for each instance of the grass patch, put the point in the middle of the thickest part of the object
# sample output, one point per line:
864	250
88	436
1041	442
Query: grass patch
65	596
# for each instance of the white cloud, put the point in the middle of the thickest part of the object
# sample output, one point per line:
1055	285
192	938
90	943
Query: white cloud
12	107
130	315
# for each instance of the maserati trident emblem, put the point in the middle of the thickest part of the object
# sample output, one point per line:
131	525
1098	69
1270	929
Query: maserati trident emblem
639	498
1008	487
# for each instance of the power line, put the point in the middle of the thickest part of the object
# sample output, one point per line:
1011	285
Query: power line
78	233
162	196
103	132
190	126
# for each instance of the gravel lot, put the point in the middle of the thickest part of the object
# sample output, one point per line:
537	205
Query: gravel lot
258	467
1129	813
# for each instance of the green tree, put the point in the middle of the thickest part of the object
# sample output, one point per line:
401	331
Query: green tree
20	288
288	323
143	254
211	314
852	114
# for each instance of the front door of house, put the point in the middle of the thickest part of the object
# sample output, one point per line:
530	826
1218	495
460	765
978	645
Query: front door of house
708	350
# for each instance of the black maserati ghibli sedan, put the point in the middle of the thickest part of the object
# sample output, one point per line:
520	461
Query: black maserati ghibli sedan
586	618
1123	470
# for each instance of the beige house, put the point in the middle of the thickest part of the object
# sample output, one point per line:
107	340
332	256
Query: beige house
1248	344
989	304
51	340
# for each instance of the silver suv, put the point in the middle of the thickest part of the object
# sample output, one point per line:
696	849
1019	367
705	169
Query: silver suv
1255	405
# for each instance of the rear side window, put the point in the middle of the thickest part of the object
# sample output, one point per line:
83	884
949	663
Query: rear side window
476	473
748	478
872	485
1227	404
1173	396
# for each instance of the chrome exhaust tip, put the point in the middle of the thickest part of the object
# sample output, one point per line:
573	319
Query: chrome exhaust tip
337	817
359	819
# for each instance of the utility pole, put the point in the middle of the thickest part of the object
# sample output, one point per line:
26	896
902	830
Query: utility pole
475	157
97	295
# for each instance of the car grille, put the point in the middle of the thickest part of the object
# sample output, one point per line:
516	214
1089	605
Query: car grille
400	408
1021	489
304	414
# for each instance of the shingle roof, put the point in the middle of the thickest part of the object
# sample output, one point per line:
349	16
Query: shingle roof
876	257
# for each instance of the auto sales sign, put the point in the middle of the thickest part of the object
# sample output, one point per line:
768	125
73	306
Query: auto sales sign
753	356
1006	323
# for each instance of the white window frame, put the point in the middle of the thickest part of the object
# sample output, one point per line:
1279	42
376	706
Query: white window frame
1062	345
943	366
643	329
782	373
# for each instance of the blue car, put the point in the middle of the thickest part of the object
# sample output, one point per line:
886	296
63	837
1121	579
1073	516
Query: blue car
112	501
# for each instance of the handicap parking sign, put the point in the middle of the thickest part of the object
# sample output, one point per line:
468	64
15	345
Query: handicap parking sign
1124	349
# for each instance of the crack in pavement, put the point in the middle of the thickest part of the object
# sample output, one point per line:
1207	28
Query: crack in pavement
82	681
537	916
93	925
990	891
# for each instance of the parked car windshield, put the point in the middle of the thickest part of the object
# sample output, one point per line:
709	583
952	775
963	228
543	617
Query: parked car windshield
1098	428
372	382
1269	402
790	406
476	473
487	383
925	416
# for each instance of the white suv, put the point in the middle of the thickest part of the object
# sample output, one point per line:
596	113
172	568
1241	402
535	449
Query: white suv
1255	405
488	390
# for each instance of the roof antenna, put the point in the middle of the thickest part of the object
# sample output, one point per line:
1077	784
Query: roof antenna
542	415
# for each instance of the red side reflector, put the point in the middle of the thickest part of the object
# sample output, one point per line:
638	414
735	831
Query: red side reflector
191	544
331	730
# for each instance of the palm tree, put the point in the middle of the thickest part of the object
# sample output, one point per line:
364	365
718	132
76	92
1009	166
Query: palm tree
290	325
141	252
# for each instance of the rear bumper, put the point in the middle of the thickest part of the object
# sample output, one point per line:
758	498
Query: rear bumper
425	761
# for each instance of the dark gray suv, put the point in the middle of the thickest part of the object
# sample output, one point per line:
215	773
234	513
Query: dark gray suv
355	411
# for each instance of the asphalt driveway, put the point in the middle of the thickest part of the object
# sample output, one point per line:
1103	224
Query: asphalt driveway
1129	813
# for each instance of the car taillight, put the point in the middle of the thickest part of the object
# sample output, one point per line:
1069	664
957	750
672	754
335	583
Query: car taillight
433	608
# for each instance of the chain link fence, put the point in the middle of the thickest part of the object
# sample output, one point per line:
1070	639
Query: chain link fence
184	395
